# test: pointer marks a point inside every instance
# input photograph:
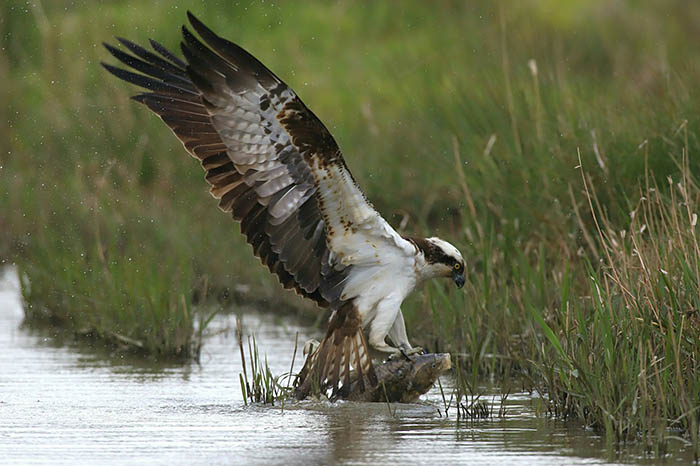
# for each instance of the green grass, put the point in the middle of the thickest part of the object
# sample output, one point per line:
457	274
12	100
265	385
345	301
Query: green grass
262	386
625	356
461	120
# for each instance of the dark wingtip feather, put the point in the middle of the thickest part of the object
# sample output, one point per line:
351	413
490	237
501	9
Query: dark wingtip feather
140	98
151	59
112	69
118	54
167	53
147	82
191	41
125	42
192	18
188	44
184	30
199	26
110	48
234	53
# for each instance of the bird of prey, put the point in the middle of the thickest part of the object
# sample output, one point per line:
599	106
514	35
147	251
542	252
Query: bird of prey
275	167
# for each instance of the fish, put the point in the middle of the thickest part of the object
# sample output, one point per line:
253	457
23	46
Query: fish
402	379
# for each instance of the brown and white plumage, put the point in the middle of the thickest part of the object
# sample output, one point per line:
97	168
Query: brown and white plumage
273	164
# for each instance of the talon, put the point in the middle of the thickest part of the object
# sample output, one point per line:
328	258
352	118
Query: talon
407	352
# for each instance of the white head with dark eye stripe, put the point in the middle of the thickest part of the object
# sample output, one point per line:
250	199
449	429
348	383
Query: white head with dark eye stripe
441	259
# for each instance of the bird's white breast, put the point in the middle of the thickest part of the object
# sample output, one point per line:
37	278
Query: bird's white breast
389	281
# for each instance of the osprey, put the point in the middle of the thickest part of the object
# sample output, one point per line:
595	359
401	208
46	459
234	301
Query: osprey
275	167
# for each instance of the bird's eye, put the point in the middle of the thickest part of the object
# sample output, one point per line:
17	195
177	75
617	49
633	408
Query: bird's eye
458	266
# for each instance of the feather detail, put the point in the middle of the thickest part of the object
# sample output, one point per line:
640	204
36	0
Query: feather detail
222	104
342	350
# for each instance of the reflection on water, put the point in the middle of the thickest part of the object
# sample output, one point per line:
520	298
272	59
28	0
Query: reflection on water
62	403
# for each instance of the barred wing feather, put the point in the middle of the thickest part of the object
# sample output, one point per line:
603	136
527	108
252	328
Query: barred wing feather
270	161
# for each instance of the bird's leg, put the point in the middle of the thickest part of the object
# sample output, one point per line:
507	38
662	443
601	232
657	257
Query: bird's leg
388	321
377	340
384	347
398	337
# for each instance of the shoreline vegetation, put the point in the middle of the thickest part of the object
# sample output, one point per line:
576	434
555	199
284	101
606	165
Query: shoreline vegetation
555	143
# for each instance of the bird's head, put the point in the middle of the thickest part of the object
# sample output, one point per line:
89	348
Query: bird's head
441	260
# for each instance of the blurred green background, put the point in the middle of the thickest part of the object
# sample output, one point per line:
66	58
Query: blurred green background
110	220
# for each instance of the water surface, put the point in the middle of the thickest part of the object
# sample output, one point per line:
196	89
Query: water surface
63	403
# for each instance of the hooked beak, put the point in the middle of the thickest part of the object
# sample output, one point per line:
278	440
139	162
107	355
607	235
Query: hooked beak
458	278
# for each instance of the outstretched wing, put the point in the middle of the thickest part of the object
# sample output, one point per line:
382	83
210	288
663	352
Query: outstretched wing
269	159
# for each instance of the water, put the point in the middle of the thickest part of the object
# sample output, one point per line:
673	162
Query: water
62	403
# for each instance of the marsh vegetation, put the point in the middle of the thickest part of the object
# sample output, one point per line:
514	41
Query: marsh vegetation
555	142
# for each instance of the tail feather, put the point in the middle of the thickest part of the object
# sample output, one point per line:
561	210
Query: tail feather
343	349
358	365
346	369
336	362
368	367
